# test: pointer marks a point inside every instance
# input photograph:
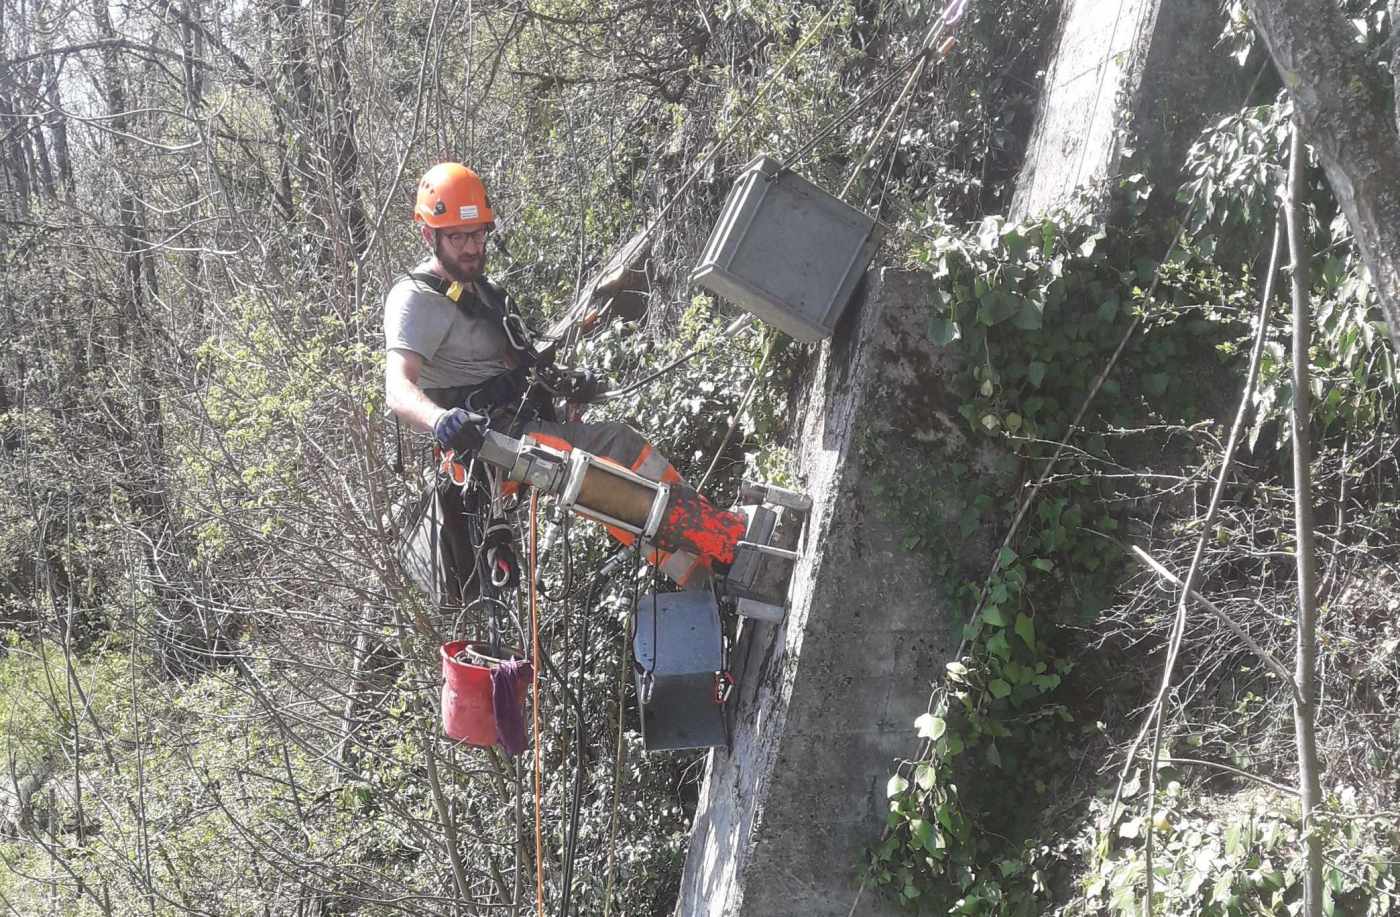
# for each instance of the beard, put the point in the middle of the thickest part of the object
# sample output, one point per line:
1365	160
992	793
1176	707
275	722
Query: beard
463	267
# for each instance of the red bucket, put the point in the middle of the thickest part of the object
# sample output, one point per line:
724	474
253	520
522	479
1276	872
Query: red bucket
466	692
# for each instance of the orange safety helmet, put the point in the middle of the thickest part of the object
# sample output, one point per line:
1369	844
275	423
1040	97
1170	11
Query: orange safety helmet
450	194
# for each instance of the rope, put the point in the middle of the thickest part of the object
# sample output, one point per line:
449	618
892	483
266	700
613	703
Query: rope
948	22
734	328
621	749
535	703
739	120
580	741
738	412
919	60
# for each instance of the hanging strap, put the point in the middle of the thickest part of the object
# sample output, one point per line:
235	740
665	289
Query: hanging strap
490	303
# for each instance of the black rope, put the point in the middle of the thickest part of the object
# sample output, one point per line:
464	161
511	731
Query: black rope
580	728
733	328
830	127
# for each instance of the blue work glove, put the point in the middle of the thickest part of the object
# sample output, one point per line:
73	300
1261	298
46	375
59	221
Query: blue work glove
461	431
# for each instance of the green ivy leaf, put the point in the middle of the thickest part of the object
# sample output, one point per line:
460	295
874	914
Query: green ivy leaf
1025	629
994	616
895	786
999	688
925	776
1030	316
931	727
1035	373
943	331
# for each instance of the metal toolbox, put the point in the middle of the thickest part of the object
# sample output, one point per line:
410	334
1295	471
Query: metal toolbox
679	647
787	251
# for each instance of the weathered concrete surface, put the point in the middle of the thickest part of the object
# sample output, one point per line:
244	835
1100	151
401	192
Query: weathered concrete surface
1137	70
828	699
1100	55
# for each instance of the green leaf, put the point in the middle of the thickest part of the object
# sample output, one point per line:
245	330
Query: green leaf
994	616
1035	373
943	331
925	776
996	306
1005	557
1108	309
931	727
999	688
1025	629
989	233
1030	316
895	786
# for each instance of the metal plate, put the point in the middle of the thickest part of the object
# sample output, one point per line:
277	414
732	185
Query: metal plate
787	251
678	640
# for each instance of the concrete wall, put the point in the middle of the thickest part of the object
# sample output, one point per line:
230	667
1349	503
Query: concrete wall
1141	72
827	700
1100	55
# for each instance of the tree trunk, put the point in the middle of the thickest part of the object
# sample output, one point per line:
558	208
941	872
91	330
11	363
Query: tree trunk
344	150
1342	112
16	161
185	644
58	128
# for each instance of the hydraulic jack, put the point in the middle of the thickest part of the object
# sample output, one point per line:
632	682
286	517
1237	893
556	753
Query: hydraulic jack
752	548
681	640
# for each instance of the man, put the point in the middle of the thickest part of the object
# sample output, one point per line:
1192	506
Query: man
459	360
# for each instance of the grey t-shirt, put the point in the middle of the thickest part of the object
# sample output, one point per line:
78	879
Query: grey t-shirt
456	350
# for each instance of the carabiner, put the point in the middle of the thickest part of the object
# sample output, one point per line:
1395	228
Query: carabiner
724	687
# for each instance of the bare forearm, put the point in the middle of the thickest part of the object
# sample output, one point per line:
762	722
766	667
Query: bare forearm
412	406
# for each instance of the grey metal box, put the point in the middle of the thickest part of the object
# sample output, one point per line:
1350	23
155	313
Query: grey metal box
787	251
678	641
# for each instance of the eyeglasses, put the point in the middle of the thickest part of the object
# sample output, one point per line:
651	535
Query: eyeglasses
458	238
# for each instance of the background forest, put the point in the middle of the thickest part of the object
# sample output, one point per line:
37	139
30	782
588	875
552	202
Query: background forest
219	694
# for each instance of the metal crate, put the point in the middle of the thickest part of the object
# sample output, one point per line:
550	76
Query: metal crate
679	646
787	251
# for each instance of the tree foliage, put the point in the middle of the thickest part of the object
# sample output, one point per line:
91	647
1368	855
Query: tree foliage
218	691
